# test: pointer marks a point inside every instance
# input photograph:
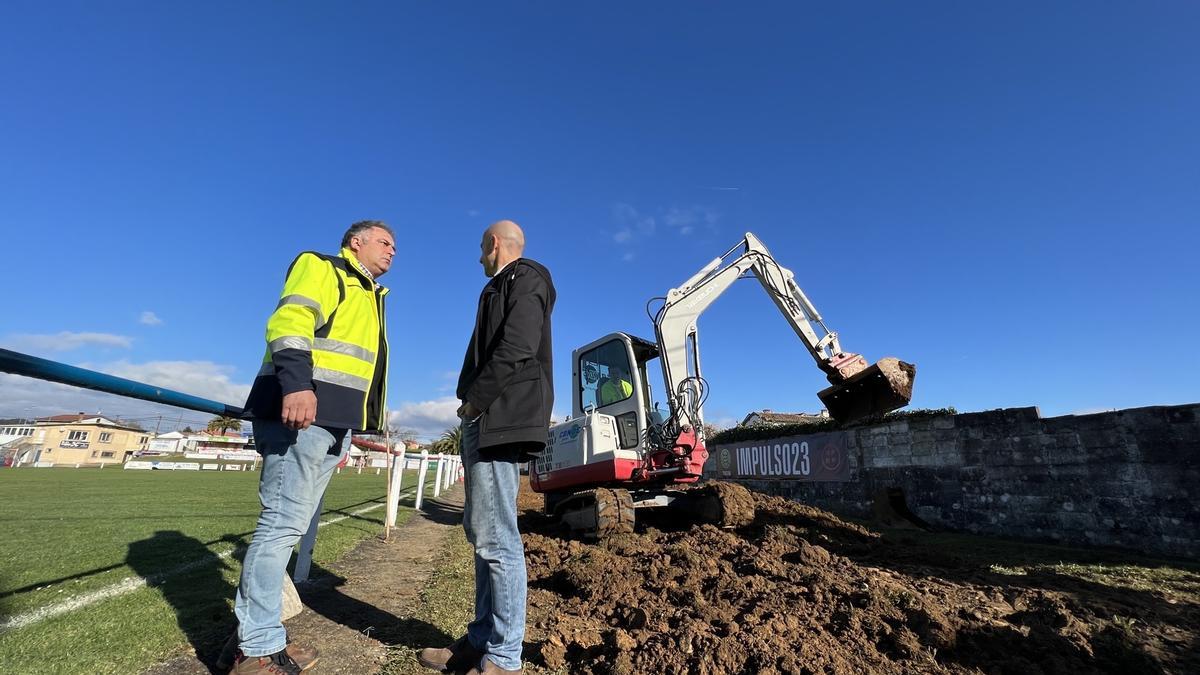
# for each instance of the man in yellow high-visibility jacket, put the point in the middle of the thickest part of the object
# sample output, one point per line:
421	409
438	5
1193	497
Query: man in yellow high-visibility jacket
617	387
323	376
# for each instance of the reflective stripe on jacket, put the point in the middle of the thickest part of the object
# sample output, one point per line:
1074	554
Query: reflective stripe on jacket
327	335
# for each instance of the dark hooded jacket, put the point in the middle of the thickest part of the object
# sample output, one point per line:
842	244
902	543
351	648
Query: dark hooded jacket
507	370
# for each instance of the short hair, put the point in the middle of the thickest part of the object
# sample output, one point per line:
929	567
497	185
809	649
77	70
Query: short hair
362	226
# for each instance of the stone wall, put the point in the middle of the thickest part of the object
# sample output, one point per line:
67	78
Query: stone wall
1127	478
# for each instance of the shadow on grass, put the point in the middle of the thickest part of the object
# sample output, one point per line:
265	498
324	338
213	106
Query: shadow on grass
198	592
441	512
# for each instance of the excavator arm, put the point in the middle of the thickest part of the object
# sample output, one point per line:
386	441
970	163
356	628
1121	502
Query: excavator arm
857	389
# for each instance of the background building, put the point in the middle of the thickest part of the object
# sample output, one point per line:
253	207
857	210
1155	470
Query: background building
769	417
87	439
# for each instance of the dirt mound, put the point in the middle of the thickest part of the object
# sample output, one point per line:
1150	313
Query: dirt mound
797	590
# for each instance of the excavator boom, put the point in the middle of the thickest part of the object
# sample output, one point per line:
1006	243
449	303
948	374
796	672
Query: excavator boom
858	390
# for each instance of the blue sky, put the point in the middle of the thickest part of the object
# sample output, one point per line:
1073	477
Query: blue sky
1005	195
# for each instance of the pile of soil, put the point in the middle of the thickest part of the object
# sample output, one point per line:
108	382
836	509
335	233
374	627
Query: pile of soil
798	590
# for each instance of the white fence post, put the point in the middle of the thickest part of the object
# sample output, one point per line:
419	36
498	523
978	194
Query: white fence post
438	475
393	502
421	472
452	472
307	542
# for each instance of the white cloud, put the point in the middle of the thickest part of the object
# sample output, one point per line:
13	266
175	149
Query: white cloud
724	421
449	381
629	256
472	212
428	418
634	226
150	319
687	219
632	223
66	341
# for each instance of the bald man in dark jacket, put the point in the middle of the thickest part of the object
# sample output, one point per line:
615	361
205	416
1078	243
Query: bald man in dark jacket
507	392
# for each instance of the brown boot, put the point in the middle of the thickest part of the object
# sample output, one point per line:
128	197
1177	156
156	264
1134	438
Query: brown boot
278	663
457	658
490	668
305	657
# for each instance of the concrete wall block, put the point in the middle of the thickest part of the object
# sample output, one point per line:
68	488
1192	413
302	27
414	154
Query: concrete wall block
874	440
1161	446
944	422
1067	472
1092	437
882	461
922	449
953	459
946	447
920	424
1060	425
1068	439
1060	456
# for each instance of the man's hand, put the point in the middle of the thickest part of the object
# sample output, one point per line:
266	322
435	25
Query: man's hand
468	412
299	409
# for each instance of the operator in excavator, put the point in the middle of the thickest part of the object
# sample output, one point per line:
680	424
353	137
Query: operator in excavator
617	387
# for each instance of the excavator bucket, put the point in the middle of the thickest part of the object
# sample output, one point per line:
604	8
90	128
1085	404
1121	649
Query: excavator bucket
880	388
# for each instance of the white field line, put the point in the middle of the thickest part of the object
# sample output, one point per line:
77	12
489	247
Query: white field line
130	584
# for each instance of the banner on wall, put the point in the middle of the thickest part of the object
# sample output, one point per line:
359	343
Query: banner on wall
811	457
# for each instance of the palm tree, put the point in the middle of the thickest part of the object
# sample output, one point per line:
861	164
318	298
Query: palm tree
450	442
222	423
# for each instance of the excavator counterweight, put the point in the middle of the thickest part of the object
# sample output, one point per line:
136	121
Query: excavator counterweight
878	389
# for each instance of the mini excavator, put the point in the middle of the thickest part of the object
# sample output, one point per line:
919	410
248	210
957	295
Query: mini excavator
617	454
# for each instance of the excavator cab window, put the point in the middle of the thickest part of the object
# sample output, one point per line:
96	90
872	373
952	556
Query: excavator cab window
608	385
606	375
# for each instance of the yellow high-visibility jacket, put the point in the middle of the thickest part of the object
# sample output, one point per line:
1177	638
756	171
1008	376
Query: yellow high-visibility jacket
327	334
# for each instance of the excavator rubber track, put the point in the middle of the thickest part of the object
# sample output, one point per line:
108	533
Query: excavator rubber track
598	513
878	389
720	503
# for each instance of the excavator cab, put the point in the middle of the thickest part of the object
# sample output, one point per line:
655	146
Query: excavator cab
602	442
610	377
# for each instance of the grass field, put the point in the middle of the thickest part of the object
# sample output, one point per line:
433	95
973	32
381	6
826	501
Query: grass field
87	539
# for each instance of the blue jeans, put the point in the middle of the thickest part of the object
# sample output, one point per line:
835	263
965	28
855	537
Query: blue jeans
490	521
296	466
